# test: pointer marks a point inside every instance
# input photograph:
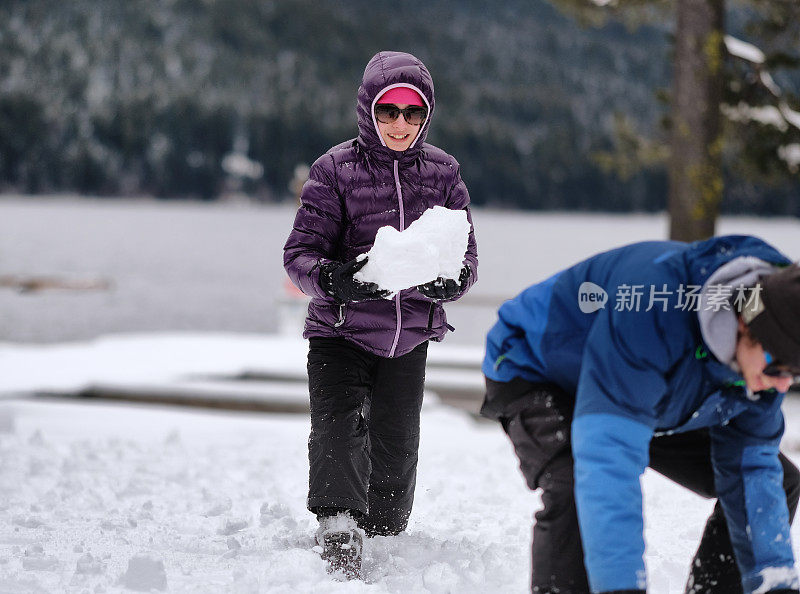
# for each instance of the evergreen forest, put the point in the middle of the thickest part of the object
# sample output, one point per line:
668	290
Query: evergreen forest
159	98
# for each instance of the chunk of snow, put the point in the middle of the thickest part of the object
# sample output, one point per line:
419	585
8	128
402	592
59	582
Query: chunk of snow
432	246
144	574
233	544
774	578
27	522
36	560
742	49
232	526
219	507
88	565
440	577
272	512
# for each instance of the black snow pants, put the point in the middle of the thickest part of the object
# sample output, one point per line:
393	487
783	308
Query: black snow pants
362	450
537	418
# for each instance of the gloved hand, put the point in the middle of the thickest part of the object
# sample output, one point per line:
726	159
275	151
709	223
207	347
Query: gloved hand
337	281
445	288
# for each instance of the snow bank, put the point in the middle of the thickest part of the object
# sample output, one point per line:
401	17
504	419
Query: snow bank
434	245
141	358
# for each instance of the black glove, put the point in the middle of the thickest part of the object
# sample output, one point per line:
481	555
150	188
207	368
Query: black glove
337	281
445	288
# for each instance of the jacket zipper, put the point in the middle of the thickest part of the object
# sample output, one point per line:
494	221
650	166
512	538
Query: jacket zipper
402	227
340	321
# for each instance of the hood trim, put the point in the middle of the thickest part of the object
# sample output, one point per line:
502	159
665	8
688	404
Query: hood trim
720	328
394	86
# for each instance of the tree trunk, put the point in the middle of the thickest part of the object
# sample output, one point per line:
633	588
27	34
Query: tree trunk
695	176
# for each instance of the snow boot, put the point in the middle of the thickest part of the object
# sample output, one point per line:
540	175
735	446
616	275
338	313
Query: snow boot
342	543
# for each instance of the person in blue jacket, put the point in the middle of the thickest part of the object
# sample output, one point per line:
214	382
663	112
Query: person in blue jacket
663	354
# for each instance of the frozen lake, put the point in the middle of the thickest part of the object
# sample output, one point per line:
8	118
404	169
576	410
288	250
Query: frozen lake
188	266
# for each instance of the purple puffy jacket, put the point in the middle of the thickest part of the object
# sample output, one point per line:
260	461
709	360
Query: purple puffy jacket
356	188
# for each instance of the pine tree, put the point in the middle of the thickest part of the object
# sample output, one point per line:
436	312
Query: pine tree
695	167
714	74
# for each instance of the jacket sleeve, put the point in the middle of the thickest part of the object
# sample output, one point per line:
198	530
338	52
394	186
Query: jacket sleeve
749	482
317	228
620	389
458	199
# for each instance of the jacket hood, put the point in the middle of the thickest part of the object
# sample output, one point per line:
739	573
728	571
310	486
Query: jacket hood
728	261
719	325
384	71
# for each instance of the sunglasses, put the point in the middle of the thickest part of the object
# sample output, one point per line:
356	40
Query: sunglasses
387	113
777	369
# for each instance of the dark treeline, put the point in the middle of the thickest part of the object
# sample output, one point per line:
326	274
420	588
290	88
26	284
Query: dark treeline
132	97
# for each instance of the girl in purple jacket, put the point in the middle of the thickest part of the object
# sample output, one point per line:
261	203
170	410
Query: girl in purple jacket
366	361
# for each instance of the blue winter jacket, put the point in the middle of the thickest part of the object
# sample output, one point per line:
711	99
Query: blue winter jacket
642	369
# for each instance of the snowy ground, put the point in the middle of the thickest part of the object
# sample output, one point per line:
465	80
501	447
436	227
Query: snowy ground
107	498
214	502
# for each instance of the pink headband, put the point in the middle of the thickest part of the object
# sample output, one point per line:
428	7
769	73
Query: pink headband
402	95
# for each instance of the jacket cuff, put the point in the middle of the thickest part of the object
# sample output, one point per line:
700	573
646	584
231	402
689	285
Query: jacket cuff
315	288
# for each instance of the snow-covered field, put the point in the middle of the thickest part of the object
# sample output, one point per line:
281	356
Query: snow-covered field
111	498
102	498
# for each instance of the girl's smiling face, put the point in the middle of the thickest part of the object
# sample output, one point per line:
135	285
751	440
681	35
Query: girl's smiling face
399	134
